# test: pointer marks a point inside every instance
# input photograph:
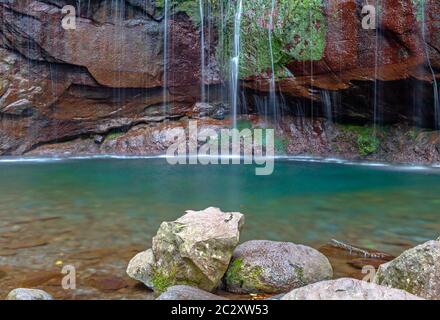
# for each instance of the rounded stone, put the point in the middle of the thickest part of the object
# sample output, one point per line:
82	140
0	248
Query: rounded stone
186	293
416	270
28	294
347	289
261	266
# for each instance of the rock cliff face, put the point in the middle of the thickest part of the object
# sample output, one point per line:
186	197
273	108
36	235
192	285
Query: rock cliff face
107	75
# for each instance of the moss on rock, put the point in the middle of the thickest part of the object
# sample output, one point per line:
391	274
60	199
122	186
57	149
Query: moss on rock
415	271
262	266
367	139
162	281
298	33
241	275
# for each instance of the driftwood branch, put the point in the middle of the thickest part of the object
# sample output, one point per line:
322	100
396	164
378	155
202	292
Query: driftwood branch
359	251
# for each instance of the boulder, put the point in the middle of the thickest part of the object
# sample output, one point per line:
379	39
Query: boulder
141	267
187	293
348	289
28	294
417	271
193	250
275	267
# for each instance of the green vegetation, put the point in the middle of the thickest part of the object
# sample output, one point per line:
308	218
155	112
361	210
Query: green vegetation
280	143
240	275
299	272
298	34
243	124
367	144
419	6
162	281
367	140
114	135
233	273
190	7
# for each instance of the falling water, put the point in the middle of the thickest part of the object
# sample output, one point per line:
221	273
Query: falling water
327	104
235	62
272	89
165	56
376	82
202	51
435	83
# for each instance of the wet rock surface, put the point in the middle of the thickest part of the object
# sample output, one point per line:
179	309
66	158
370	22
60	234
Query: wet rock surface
261	266
417	271
67	85
184	293
348	289
399	144
100	259
195	249
28	294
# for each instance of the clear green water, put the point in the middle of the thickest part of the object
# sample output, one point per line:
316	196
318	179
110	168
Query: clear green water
302	202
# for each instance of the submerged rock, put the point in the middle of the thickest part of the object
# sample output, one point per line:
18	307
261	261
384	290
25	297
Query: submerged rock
193	250
187	293
417	271
28	294
275	267
348	289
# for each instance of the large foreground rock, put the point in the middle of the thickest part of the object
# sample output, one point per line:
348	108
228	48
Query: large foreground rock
347	289
416	270
186	293
275	267
28	294
193	250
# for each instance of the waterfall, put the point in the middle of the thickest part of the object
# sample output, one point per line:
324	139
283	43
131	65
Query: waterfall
272	89
434	79
327	105
165	56
376	74
202	51
235	62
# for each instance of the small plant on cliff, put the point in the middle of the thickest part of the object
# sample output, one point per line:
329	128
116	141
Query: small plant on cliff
366	139
367	144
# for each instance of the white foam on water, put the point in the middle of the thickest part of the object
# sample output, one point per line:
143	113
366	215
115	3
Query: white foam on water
310	159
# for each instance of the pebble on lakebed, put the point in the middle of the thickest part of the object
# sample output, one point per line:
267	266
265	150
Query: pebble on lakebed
28	294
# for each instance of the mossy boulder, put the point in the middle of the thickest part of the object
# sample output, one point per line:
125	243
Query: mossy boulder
194	250
416	271
347	289
275	267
